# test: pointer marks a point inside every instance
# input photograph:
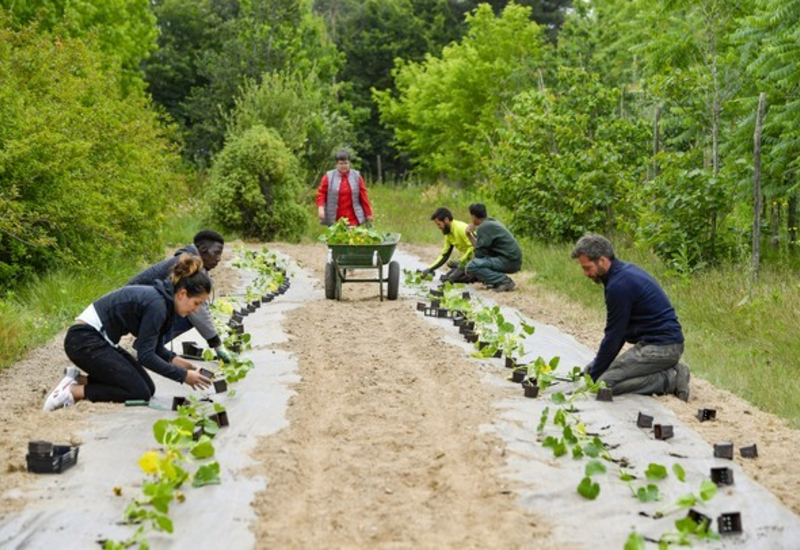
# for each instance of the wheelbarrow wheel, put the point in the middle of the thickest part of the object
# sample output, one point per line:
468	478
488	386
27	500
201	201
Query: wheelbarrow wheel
330	281
394	281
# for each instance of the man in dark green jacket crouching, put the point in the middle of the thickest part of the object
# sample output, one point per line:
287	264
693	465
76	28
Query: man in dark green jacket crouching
497	252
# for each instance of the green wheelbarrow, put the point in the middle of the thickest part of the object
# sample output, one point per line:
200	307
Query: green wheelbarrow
344	257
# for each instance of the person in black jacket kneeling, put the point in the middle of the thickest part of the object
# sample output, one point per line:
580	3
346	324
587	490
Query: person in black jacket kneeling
147	312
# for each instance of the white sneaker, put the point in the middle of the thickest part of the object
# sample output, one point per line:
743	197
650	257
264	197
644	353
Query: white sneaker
72	372
61	396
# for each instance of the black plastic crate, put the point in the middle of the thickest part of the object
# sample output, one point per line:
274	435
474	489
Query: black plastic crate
63	457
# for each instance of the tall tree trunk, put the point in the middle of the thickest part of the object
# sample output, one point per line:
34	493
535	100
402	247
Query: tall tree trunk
762	100
656	139
791	221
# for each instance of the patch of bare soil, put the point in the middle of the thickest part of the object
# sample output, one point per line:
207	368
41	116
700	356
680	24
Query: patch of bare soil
383	448
24	387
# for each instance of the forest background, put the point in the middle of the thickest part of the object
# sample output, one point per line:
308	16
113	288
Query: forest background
126	125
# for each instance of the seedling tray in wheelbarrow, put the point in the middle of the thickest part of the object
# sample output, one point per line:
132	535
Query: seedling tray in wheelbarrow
342	257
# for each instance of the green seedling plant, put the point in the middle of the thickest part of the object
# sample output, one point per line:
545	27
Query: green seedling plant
542	372
417	281
342	232
588	488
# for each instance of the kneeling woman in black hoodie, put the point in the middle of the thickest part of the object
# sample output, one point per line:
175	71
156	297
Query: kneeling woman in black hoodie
147	312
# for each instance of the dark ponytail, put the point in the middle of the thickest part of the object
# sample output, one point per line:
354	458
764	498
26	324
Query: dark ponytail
188	273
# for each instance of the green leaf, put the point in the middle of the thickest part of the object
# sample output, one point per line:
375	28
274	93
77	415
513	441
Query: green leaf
679	472
635	541
558	398
707	490
208	474
163	523
203	449
588	489
595	467
655	472
648	494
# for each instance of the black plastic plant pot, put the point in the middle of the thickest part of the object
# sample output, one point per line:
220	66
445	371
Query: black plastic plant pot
421	306
511	362
530	390
729	523
518	376
236	318
191	348
236	347
723	450
207	373
436	303
443	312
235	324
482	344
251	308
244	312
706	414
220	386
749	452
471	337
644	421
40	449
221	418
256	303
498	354
61	458
465	295
663	431
434	292
605	394
699	519
178	401
198	431
722	476
458	320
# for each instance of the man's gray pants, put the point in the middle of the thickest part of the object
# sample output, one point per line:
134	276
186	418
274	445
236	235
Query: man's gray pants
644	369
492	270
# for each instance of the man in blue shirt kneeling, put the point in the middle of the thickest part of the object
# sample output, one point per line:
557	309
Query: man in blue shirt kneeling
639	312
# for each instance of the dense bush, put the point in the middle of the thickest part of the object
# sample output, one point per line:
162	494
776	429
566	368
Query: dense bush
84	172
567	163
300	109
254	187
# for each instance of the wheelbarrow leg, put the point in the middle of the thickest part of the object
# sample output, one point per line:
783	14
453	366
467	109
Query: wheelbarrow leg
380	275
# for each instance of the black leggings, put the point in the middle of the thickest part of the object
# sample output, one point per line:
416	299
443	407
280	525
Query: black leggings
114	374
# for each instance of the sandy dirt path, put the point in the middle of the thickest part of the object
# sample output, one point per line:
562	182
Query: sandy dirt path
384	447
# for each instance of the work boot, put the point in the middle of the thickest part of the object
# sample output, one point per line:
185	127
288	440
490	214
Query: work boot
682	382
505	285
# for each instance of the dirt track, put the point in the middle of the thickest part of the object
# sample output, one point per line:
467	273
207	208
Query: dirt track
384	447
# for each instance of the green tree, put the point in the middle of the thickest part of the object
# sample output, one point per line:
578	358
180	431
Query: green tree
85	173
300	108
567	163
254	187
125	29
263	36
448	109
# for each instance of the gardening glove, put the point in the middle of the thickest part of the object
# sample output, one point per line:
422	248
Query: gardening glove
223	354
426	272
588	368
453	264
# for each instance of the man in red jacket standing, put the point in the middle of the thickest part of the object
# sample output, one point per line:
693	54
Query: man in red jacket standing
342	194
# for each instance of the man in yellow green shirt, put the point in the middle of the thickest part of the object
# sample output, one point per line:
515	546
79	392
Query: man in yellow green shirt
455	237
